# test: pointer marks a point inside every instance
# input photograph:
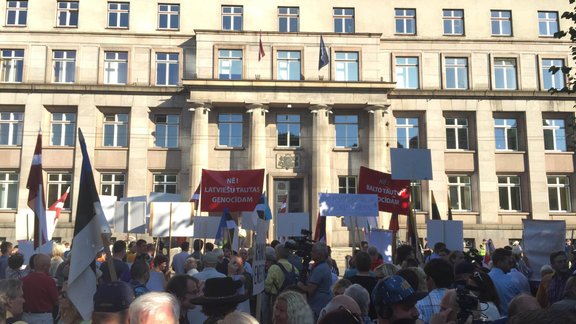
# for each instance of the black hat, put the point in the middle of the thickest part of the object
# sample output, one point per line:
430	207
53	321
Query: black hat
112	297
220	290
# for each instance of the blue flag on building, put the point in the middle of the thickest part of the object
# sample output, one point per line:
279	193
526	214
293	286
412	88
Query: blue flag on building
324	59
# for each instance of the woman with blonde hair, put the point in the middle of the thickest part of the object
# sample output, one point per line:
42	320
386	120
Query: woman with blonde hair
57	257
291	307
11	301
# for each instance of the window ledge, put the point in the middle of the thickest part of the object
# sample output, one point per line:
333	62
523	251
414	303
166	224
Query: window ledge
163	149
59	147
288	148
562	213
459	151
167	29
66	27
505	213
346	149
111	148
558	152
228	148
465	213
509	152
10	147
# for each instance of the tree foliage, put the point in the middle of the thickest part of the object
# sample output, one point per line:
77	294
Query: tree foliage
570	86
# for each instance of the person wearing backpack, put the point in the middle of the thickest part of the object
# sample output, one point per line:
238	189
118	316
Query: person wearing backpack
281	274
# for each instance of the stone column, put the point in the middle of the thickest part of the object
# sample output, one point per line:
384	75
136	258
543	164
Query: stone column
489	200
378	141
200	140
257	135
537	182
322	143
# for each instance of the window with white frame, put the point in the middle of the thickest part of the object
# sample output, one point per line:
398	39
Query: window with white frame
407	132
347	184
230	127
460	191
166	183
16	13
509	193
113	184
167	69
501	21
63	128
64	66
232	18
346	66
407	73
12	61
346	130
554	135
457	133
11	126
67	14
547	23
559	194
505	74
288	19
229	64
167	130
118	14
288	130
58	183
416	194
115	67
9	190
552	80
405	21
168	16
343	20
453	20
115	130
288	65
506	134
456	73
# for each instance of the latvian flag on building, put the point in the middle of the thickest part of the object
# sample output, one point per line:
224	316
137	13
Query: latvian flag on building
36	202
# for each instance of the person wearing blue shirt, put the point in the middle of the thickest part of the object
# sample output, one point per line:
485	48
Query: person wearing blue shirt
506	286
319	280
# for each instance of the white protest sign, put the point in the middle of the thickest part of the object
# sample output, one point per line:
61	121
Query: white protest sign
108	206
24	224
130	217
164	214
363	223
412	164
206	226
249	220
382	240
449	232
539	239
26	248
50	223
291	224
259	261
348	204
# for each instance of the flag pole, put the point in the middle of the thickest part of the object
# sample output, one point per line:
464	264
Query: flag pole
169	239
109	260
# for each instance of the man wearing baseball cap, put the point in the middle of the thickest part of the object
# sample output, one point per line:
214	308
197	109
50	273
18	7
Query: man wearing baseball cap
395	301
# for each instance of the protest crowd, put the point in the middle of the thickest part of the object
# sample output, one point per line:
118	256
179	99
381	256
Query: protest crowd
204	283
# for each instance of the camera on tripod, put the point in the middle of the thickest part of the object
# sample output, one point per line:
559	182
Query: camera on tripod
469	304
302	247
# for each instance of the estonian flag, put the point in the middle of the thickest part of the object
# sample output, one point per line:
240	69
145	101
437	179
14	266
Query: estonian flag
324	59
435	212
36	202
263	209
88	229
226	228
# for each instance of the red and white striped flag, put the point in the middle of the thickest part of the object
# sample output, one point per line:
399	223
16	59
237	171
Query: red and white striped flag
284	205
58	205
261	53
36	201
196	195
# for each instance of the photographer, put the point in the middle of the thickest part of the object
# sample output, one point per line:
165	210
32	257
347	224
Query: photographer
458	306
319	281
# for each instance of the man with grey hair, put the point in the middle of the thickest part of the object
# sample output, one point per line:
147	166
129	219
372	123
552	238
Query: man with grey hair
319	280
155	307
362	298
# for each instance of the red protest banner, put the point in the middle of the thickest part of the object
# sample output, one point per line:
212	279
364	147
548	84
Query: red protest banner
393	195
238	190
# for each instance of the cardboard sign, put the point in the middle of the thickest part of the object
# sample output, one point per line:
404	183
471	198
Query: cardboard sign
348	204
206	226
130	217
382	240
164	214
238	190
449	232
539	239
393	195
259	266
411	164
291	224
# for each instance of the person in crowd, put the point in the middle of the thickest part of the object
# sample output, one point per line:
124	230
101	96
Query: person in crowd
191	266
153	308
385	270
57	258
519	304
275	278
11	301
140	274
210	261
546	270
439	249
395	301
451	307
505	286
341	315
208	247
158	273
422	278
551	287
364	246
184	288
342	301
40	292
351	270
67	312
522	264
482	287
266	313
142	251
363	275
375	258
236	272
118	255
403	252
547	316
219	299
333	265
456	257
291	307
179	259
15	270
568	303
222	265
462	272
340	286
412	278
237	317
439	278
243	253
197	246
111	302
5	251
362	298
319	280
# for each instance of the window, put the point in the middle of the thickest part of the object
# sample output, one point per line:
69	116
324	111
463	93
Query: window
115	130
457	133
559	194
506	134
168	16
456	73
509	193
407	73
547	23
8	190
167	130
232	18
16	13
343	20
67	14
115	67
554	135
288	129
58	183
11	127
346	130
288	65
501	22
64	65
405	21
549	80
460	192
167	69
347	184
167	183
346	66
118	14
63	129
416	194
453	22
112	184
230	130
407	132
229	64
12	65
505	74
288	19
